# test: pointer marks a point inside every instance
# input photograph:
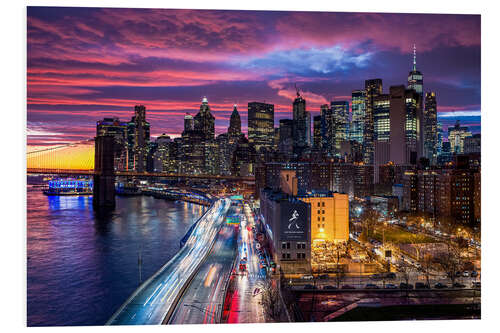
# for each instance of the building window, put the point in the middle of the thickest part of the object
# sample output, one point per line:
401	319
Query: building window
318	204
322	212
283	245
288	245
323	220
319	212
288	256
323	204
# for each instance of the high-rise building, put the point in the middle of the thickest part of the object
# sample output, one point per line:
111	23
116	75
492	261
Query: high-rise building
300	125
117	129
317	138
261	126
327	129
430	127
456	137
234	130
416	82
285	145
472	145
141	138
439	138
204	121
373	88
358	106
188	122
403	124
381	133
340	112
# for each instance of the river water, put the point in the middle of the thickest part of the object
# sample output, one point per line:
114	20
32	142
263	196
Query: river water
82	267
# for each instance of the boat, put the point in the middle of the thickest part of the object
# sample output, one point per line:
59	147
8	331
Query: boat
69	187
127	189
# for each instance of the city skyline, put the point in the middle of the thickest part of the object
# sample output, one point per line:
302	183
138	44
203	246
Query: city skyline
152	64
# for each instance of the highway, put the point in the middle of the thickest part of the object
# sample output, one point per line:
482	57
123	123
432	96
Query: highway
155	299
202	301
245	307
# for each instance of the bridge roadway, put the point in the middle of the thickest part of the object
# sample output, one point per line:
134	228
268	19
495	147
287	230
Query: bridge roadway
153	302
91	172
202	302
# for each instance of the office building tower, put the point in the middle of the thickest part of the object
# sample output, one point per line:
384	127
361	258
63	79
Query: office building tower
472	145
285	145
141	138
403	125
439	138
416	82
204	121
327	129
381	133
373	88
300	125
234	130
261	126
456	137
358	106
430	127
317	132
188	122
340	112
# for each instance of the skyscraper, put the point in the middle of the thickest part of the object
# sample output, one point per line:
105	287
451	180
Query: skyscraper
317	139
456	137
260	126
285	145
188	122
204	121
141	137
358	115
403	124
430	127
327	129
373	88
234	130
300	125
416	82
340	112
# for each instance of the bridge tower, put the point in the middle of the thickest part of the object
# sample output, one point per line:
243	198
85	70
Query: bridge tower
104	169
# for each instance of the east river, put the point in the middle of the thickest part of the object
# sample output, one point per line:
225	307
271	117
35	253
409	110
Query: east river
82	267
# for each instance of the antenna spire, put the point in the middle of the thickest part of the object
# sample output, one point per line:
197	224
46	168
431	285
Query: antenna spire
414	57
297	89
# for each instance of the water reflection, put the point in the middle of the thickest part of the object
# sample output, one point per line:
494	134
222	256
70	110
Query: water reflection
83	264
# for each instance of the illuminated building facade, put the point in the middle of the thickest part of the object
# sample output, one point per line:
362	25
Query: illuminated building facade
373	88
456	137
329	216
358	106
430	127
340	113
261	126
117	129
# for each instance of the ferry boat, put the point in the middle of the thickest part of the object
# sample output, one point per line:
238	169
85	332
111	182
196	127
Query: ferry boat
127	189
69	187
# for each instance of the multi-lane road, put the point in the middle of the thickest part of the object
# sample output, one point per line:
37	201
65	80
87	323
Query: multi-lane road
245	307
202	301
156	298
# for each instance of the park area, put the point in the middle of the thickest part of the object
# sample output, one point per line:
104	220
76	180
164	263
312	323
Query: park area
399	236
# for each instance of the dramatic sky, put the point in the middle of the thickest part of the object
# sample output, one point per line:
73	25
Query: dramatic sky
84	64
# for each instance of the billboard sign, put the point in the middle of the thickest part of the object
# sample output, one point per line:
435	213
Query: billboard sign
294	224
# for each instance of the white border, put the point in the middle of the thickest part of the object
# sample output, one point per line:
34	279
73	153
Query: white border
13	127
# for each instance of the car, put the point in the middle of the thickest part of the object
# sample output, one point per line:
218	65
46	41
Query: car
371	286
465	274
476	285
310	286
348	286
375	276
328	287
421	285
440	285
403	285
473	274
390	275
458	274
307	277
390	286
323	276
458	285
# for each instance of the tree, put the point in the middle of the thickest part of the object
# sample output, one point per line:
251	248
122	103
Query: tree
369	218
270	300
451	261
427	267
